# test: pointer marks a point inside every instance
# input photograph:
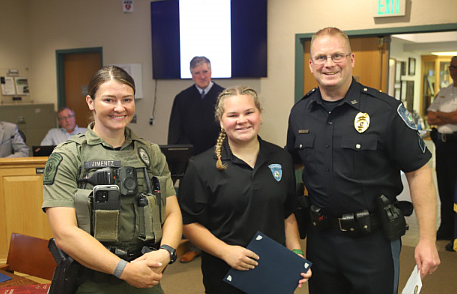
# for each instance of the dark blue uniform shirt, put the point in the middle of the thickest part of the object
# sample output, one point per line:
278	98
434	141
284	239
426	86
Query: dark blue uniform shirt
344	169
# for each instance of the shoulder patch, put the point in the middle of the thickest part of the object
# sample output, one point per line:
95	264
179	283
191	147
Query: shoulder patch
421	143
50	170
406	116
144	156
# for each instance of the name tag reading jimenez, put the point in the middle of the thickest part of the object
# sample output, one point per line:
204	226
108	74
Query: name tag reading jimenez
101	164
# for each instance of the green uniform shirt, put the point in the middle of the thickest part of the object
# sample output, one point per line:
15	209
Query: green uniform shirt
70	161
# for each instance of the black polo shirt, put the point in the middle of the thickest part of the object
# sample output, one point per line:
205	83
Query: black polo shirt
235	203
344	169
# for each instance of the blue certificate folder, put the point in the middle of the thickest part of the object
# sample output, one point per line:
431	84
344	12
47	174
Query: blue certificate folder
278	270
4	278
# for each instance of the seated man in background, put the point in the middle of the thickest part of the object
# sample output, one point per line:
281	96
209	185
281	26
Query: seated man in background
11	142
67	121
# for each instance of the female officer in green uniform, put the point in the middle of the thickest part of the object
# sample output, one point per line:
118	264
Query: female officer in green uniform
110	244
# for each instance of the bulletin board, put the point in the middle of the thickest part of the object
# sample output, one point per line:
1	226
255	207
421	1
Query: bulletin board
15	86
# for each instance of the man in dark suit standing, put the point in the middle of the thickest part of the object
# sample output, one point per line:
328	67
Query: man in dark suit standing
192	116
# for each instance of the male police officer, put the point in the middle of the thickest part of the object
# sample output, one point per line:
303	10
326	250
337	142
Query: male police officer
443	113
353	141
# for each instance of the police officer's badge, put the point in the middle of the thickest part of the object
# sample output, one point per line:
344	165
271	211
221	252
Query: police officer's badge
361	122
406	116
50	169
144	156
276	170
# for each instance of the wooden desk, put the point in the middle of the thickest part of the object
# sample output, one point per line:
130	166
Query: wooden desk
21	197
16	280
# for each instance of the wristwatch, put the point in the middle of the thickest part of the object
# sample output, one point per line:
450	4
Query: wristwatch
170	250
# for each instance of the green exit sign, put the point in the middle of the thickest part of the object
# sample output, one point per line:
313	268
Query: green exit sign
386	8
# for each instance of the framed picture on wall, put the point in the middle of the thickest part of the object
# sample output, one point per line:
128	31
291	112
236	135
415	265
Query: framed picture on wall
402	68
411	66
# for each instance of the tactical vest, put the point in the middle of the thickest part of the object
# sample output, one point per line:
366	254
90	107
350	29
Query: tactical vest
133	225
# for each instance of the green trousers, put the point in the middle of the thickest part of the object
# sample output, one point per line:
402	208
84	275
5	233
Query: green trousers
122	288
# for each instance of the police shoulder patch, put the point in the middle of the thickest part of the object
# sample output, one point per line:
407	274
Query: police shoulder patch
276	170
422	145
143	154
50	170
406	116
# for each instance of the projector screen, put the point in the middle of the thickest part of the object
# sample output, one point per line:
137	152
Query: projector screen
231	33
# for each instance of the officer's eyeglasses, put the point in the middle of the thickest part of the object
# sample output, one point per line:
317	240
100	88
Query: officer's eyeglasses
452	67
66	117
336	58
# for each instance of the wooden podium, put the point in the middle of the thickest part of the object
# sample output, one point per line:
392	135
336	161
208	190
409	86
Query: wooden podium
21	197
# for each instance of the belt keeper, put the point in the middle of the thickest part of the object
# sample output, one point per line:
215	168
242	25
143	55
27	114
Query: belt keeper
119	268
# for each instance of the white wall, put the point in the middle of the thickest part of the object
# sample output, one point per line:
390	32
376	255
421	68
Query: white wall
37	28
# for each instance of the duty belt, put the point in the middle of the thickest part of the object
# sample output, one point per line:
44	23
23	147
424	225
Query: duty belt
447	138
355	224
347	223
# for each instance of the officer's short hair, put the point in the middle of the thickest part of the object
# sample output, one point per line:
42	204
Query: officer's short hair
199	60
331	31
108	73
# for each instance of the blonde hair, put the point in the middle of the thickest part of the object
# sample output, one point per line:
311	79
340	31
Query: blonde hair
220	108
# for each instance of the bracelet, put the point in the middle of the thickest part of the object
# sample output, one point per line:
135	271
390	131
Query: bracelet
119	268
297	251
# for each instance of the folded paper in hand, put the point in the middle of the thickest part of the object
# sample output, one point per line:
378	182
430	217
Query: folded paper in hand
278	270
414	283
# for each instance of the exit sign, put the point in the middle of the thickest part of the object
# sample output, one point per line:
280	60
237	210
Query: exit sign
386	8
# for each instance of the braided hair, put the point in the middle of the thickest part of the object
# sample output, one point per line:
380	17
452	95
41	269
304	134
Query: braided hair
220	108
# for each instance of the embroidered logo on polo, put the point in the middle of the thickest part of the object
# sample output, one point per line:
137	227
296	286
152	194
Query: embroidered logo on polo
144	156
276	170
50	169
406	116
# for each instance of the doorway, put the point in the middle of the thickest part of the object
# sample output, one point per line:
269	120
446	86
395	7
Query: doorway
75	67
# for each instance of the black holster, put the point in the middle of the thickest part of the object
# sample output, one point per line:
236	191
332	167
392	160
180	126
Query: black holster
392	218
68	275
302	211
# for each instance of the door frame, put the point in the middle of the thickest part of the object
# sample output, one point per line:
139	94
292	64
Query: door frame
60	55
301	38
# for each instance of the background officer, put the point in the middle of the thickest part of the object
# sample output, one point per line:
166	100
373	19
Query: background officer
353	141
443	113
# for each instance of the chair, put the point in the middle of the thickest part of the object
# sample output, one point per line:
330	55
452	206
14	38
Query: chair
30	255
22	136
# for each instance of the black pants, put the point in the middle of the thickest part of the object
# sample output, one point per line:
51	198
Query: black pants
446	174
214	271
346	265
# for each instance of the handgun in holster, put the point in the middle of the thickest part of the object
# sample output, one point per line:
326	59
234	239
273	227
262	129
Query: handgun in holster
392	218
67	277
301	211
318	219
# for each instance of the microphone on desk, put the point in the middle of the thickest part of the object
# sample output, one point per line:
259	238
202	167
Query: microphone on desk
4	141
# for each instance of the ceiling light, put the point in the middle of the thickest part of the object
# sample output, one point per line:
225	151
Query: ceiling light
445	53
